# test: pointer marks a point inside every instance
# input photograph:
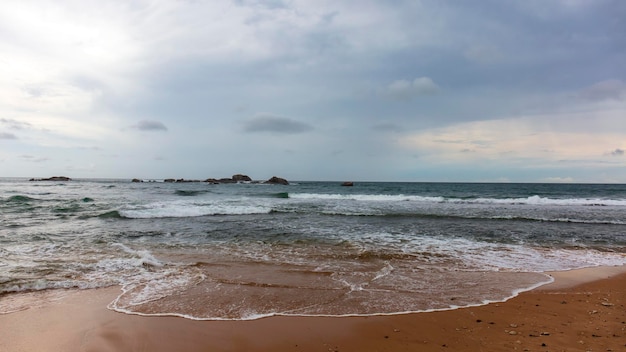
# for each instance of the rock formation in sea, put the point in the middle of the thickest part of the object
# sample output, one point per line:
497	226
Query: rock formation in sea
182	180
53	178
237	178
277	181
241	178
348	184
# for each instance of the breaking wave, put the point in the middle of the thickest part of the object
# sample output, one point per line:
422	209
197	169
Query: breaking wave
531	200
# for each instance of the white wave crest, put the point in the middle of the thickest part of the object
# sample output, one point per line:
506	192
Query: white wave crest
480	255
537	200
532	200
144	257
182	210
366	197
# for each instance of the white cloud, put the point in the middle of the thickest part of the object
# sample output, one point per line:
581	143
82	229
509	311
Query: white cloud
558	179
51	130
511	139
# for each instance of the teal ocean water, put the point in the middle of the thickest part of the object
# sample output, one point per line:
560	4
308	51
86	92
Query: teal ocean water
244	251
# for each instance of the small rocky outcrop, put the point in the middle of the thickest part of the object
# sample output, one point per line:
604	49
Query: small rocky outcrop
236	178
182	180
241	178
277	181
53	178
226	180
348	184
136	180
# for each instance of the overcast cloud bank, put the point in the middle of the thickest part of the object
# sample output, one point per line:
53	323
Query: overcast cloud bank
407	91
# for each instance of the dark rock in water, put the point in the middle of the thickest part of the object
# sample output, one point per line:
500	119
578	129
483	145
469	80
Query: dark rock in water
136	180
182	180
58	178
226	180
277	181
348	184
53	178
234	179
241	178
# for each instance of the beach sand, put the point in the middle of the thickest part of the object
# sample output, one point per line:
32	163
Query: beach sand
584	310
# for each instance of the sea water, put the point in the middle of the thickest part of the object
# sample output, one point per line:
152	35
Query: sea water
244	251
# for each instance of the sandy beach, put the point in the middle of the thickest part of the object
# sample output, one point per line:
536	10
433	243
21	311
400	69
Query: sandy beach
583	310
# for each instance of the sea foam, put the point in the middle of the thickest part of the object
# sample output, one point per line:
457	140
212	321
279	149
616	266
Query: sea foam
177	209
479	200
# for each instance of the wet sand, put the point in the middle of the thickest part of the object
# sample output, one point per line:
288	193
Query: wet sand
583	310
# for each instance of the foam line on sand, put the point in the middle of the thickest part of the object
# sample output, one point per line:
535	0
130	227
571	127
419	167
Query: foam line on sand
582	310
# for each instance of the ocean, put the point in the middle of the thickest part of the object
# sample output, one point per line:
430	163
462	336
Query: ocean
245	251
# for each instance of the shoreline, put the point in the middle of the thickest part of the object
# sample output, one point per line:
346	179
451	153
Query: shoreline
582	309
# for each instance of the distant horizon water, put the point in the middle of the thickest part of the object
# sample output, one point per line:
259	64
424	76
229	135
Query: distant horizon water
355	180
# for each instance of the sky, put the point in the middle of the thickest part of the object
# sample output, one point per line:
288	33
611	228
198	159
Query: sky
432	90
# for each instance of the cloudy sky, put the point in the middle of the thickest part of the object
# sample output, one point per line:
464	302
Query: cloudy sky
431	90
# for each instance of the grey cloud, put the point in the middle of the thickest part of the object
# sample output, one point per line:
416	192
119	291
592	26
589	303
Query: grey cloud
606	90
407	90
271	123
387	127
4	135
583	161
88	148
87	83
14	124
329	17
146	125
241	108
484	54
450	141
618	152
268	4
34	91
34	159
353	68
